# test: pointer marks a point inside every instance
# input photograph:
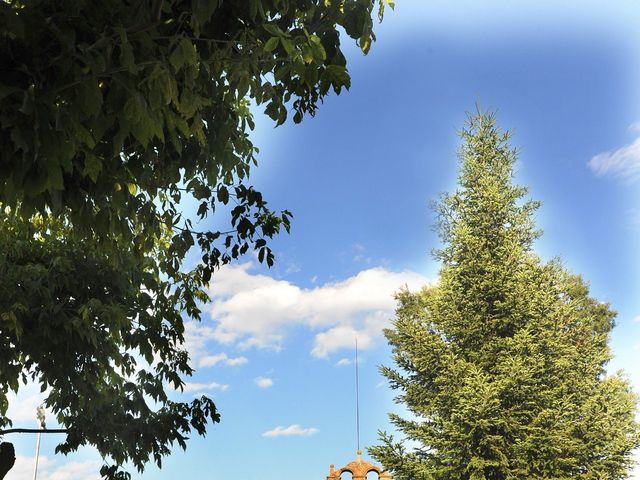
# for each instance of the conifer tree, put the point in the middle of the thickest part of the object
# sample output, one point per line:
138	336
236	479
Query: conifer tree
501	363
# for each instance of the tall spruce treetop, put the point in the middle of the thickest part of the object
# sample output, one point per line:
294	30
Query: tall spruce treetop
501	364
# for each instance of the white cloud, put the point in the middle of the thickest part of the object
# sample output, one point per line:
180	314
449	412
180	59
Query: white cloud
196	337
232	362
48	469
623	163
343	362
22	408
211	360
635	471
637	319
264	382
291	430
255	310
23	405
195	387
292	268
634	127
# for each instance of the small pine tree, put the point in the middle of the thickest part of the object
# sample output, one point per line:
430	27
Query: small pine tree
501	364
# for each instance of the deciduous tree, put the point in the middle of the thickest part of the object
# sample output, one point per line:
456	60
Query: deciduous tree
111	114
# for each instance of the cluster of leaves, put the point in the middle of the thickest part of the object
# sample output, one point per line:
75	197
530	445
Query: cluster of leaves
111	114
102	348
104	108
502	362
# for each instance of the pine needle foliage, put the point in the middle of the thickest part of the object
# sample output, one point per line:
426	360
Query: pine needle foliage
501	363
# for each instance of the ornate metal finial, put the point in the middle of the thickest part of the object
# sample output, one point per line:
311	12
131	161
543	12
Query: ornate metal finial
359	456
40	416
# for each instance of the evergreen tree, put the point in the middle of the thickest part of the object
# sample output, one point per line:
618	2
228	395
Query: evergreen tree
501	364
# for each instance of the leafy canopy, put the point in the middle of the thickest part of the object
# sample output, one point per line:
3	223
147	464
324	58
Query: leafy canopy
501	364
103	349
111	114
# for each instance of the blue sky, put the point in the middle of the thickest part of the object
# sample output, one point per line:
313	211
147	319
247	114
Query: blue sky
275	345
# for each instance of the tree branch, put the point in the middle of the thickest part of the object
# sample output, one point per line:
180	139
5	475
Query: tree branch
34	430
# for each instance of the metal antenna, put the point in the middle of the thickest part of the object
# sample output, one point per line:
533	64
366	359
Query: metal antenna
357	402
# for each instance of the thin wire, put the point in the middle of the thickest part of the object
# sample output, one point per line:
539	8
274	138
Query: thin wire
357	400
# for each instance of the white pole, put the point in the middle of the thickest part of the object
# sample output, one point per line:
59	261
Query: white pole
357	403
40	417
35	470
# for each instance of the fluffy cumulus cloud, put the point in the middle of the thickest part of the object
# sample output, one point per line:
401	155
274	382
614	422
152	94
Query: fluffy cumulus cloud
264	382
50	469
290	431
197	337
623	164
199	387
255	310
211	360
232	362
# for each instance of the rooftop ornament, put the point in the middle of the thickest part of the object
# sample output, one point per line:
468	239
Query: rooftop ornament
359	469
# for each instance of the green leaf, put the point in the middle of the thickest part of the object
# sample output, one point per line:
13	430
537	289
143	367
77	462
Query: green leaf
55	180
288	46
84	136
281	71
203	10
92	167
127	57
223	194
183	54
133	110
365	43
13	25
338	76
253	8
319	52
19	140
167	86
6	90
307	54
272	110
206	275
271	44
143	131
90	97
27	101
274	30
